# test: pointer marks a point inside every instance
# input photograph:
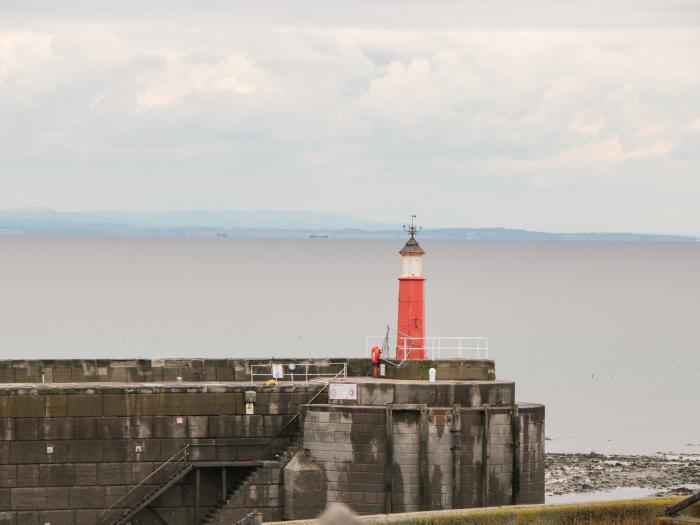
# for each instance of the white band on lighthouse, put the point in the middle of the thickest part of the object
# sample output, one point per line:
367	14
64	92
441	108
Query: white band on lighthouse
413	265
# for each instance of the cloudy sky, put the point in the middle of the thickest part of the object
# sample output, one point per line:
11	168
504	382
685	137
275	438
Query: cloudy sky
554	115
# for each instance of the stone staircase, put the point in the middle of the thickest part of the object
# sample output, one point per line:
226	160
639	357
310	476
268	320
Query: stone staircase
148	490
211	515
236	506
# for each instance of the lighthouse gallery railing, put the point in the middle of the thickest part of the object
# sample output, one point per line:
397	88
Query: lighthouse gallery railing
435	347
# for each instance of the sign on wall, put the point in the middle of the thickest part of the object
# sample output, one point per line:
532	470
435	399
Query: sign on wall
278	371
342	391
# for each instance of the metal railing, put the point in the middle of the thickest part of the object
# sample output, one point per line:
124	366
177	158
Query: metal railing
158	481
672	510
296	416
435	347
298	371
253	518
147	487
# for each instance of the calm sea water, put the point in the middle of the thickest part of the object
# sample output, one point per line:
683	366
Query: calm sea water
607	335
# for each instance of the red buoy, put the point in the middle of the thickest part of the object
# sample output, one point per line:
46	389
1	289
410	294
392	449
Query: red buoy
376	358
410	338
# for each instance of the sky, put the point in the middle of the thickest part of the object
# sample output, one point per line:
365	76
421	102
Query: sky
548	114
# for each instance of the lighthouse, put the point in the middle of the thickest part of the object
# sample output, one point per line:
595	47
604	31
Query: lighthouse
410	337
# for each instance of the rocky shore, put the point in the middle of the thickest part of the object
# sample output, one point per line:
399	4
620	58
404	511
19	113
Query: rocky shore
670	474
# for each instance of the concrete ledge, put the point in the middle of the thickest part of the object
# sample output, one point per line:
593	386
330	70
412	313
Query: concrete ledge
625	512
382	392
446	369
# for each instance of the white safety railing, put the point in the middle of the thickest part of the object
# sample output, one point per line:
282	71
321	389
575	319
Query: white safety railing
298	371
435	347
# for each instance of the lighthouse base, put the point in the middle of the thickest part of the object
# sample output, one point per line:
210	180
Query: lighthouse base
404	446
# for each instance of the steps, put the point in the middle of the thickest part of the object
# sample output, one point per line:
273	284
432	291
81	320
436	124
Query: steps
237	492
121	516
210	516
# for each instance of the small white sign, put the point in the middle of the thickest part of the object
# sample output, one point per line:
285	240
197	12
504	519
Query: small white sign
278	371
249	409
343	391
179	420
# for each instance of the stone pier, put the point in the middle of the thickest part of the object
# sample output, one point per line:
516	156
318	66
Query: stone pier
182	442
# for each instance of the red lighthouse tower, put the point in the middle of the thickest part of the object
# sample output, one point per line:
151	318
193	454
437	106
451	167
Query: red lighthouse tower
410	337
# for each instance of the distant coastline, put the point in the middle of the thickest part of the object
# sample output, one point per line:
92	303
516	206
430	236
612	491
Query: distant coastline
267	224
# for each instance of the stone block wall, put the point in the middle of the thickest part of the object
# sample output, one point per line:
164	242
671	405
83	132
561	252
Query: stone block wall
442	393
303	476
352	443
350	446
156	370
68	452
201	370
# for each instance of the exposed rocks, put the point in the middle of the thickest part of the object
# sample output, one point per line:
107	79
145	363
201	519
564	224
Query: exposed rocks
669	473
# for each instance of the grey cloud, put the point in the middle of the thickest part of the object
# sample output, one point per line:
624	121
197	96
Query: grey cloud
502	127
402	14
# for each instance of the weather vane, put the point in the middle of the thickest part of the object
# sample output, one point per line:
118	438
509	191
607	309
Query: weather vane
412	228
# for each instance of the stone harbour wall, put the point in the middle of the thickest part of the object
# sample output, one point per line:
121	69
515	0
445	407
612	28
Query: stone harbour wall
68	452
408	458
159	370
75	436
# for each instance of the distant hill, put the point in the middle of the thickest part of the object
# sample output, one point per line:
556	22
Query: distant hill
264	224
261	219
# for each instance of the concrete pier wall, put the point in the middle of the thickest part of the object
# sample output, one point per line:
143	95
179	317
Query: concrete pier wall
75	436
67	452
410	463
158	370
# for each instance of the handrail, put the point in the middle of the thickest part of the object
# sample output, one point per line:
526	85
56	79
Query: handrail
181	455
432	346
687	502
120	507
252	518
305	371
299	412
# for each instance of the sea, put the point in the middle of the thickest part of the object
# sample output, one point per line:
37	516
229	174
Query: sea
606	335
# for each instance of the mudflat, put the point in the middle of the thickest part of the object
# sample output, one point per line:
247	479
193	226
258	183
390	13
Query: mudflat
670	474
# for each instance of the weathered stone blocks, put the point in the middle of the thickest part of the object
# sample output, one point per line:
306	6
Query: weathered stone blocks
349	443
304	488
105	438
